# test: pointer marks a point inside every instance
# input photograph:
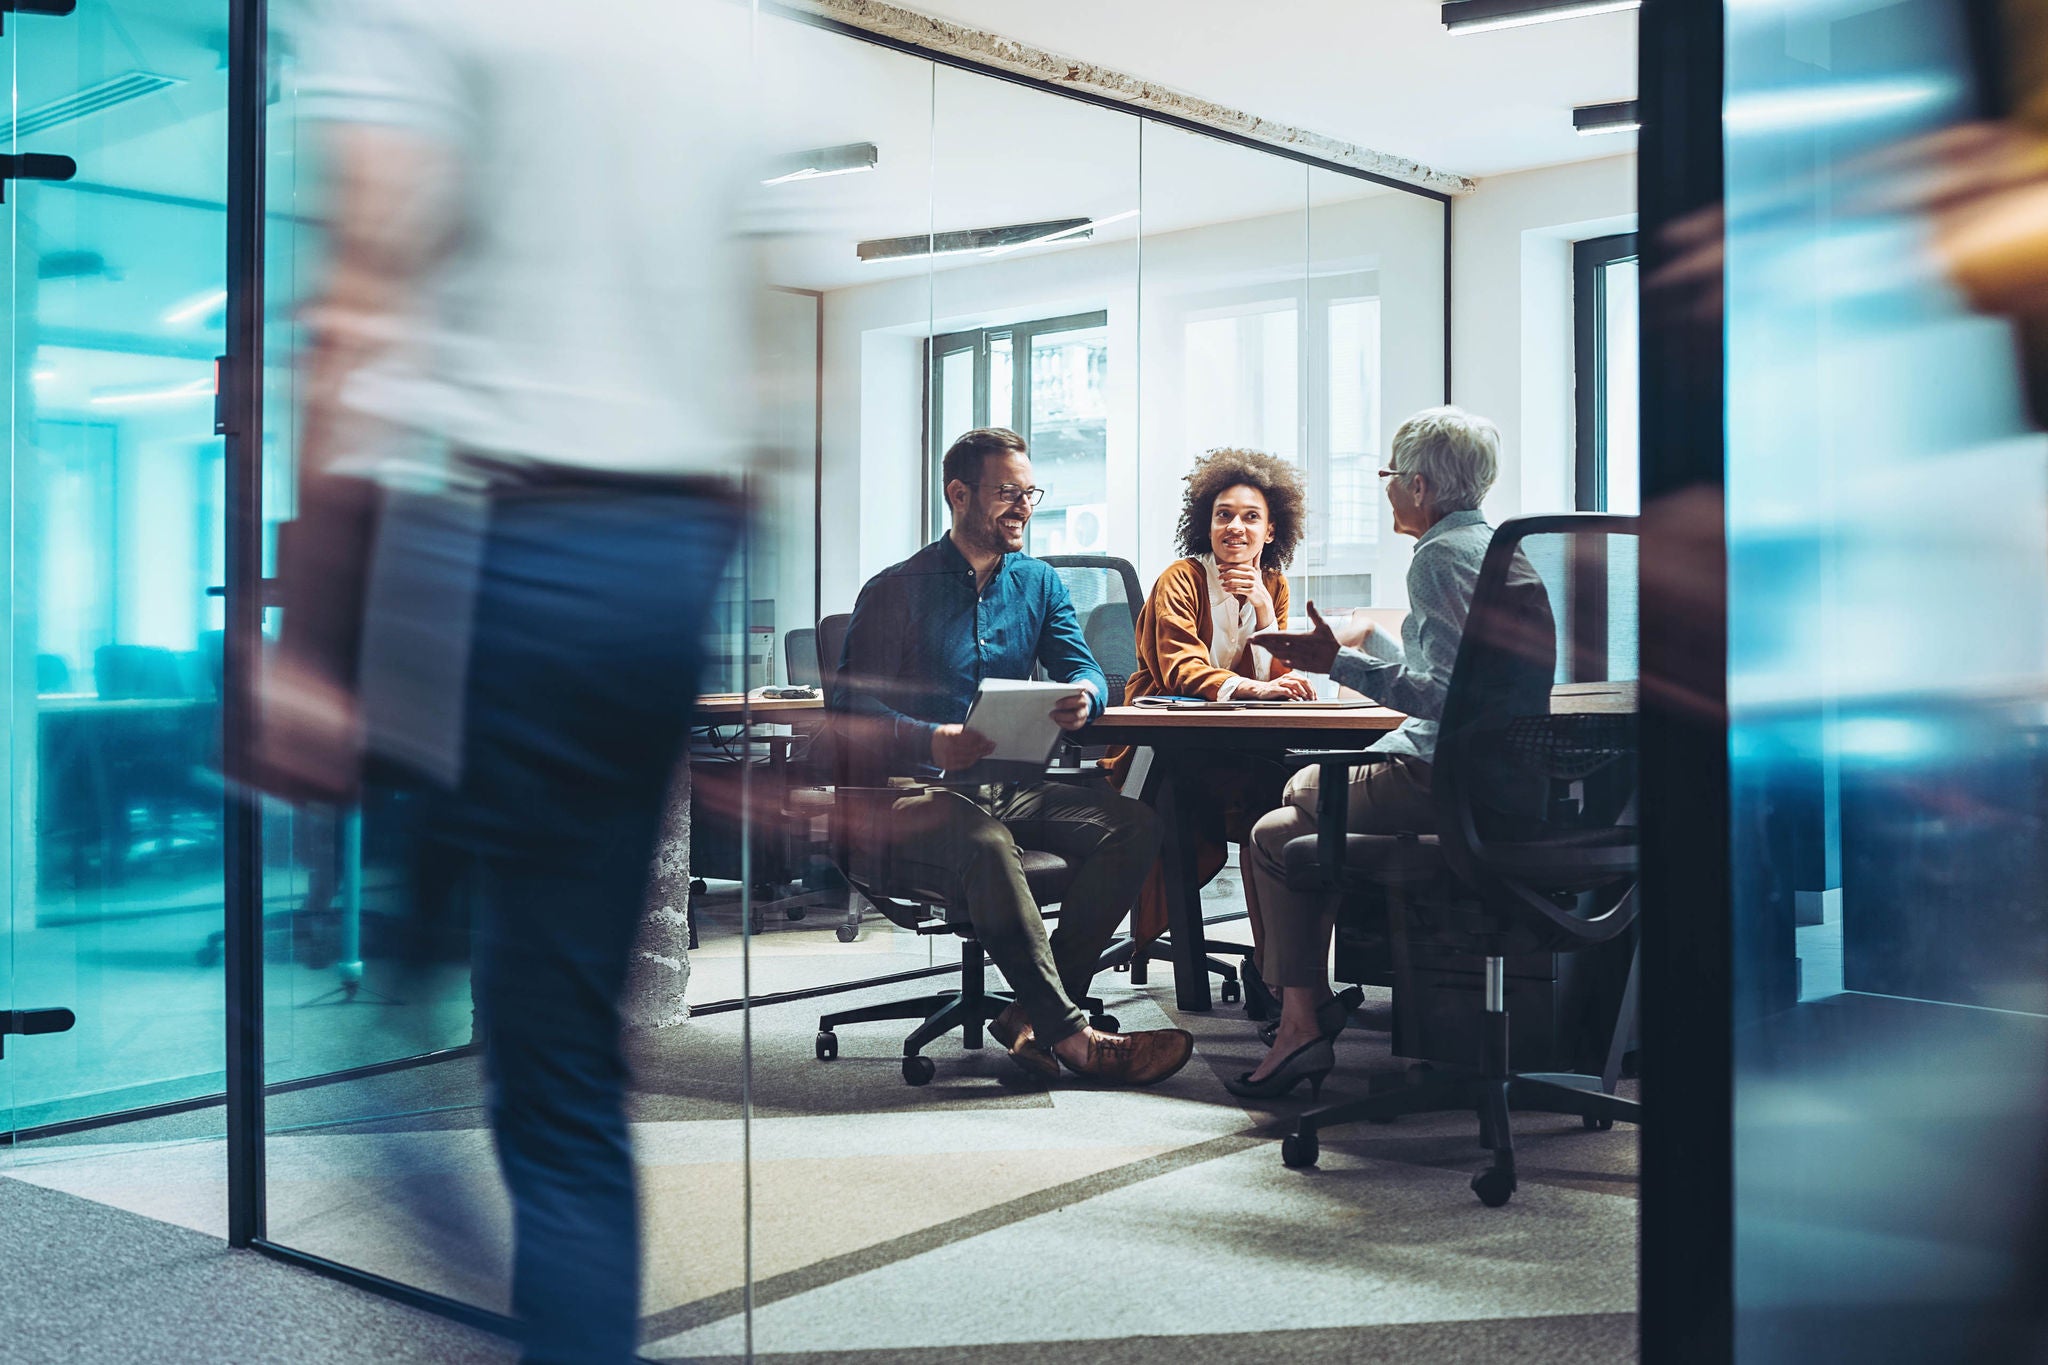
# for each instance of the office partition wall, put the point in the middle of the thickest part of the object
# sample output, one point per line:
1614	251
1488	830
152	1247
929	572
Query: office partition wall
1848	996
939	247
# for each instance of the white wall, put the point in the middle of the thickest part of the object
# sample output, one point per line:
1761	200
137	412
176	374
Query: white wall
1511	314
873	336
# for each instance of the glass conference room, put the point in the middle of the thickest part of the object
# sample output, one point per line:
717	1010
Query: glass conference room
1162	290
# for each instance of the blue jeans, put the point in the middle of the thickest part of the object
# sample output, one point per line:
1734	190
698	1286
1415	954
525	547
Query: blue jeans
585	652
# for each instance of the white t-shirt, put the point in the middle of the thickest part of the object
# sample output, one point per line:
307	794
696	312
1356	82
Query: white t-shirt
592	310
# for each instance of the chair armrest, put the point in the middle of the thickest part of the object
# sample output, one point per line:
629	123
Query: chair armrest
1333	798
1350	758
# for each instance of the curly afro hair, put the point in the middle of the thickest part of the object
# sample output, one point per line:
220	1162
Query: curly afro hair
1274	477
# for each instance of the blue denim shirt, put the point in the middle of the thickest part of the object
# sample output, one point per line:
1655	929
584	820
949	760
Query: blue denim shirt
922	639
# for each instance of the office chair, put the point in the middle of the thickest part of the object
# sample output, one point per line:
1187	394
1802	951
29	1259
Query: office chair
1534	850
860	815
800	658
1108	599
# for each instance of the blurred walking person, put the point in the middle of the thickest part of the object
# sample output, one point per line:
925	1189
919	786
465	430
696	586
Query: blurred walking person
521	385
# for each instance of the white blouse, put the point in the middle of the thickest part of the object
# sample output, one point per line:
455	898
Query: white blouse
1232	624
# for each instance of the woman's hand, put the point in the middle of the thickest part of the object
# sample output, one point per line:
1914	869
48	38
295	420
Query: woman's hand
1247	584
1287	687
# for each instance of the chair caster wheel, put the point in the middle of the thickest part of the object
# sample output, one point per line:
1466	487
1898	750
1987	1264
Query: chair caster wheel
1494	1186
919	1070
1594	1125
1298	1150
795	912
847	933
1105	1023
1231	991
1123	967
828	1045
698	886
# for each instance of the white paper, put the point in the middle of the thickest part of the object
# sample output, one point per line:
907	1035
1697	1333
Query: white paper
1017	716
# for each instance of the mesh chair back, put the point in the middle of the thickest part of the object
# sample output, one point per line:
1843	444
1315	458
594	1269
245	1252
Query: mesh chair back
800	658
831	643
1107	599
1535	771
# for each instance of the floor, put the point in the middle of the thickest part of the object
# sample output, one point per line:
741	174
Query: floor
983	1211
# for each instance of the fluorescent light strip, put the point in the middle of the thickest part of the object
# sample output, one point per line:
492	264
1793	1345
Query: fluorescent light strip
1590	120
193	309
198	388
1816	105
1086	229
849	159
1484	16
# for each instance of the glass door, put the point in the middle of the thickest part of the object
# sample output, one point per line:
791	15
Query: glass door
116	240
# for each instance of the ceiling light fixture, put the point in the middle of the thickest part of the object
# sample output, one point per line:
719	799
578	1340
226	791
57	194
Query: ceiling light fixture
847	159
1619	117
1480	16
985	241
195	308
1087	229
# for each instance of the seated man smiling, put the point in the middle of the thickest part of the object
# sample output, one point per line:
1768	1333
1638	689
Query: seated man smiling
923	635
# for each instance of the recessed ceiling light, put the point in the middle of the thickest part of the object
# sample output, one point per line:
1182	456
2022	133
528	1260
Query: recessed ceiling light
1479	16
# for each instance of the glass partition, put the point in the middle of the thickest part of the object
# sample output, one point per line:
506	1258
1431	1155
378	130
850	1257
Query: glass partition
113	855
1887	626
937	249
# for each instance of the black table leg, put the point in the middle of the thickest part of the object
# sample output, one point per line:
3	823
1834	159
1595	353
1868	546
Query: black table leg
1183	888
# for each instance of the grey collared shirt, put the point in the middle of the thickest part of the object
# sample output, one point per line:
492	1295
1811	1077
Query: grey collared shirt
1412	674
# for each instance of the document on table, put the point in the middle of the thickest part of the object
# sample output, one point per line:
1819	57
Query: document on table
1017	716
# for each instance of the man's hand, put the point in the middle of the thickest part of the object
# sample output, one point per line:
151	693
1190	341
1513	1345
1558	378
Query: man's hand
1072	713
1312	651
955	747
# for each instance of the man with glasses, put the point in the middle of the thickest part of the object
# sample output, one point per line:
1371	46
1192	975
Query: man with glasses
924	634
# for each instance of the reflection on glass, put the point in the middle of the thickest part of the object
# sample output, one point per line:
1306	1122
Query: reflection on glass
115	516
1887	788
1621	461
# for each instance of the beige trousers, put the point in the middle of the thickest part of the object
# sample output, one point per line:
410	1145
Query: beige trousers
1386	798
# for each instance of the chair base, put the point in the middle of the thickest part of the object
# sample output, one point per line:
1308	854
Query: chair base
968	1009
1135	958
1491	1092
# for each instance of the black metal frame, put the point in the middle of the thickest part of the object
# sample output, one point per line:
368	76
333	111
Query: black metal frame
1590	260
1685	1299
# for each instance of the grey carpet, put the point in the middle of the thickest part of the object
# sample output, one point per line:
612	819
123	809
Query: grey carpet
85	1282
1583	1339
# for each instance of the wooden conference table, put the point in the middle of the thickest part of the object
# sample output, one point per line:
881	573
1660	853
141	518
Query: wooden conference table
1170	735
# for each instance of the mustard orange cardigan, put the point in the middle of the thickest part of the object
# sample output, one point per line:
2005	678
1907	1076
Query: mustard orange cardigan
1173	641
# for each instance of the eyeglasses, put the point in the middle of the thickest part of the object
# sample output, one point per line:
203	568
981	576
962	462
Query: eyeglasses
1395	473
1011	493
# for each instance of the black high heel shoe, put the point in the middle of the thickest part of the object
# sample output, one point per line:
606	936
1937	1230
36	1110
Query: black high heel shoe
1310	1062
1331	1016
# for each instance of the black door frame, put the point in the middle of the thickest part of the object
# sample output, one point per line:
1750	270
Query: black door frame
1685	1300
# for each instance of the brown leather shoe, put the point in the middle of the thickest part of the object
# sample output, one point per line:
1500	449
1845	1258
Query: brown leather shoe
1135	1058
1012	1028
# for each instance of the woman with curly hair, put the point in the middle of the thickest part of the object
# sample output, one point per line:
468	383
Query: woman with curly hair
1238	530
